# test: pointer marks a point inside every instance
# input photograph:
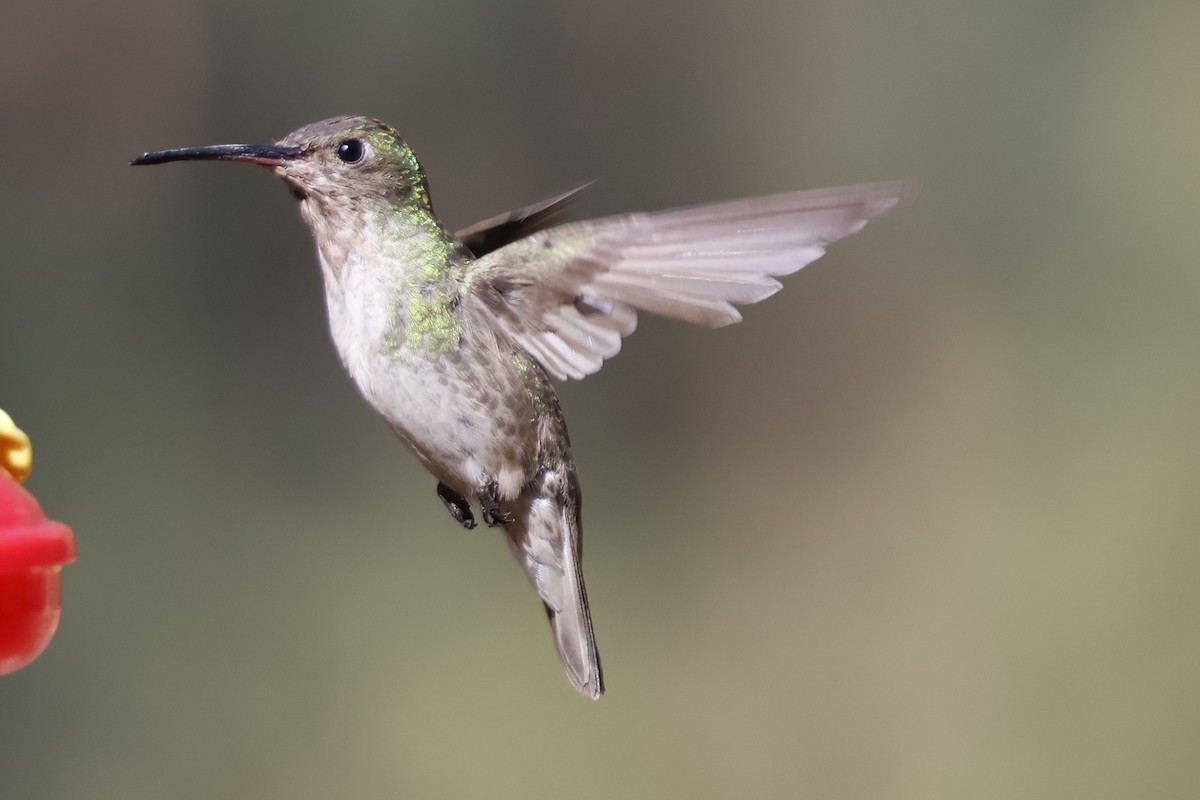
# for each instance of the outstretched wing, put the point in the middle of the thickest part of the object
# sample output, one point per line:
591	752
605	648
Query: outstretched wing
495	232
570	293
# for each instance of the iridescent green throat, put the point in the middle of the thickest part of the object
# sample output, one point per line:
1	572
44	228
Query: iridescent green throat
425	297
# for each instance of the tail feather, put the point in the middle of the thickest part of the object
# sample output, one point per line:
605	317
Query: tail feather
547	540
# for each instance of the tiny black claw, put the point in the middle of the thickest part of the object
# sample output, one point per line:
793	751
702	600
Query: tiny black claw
458	506
498	517
489	500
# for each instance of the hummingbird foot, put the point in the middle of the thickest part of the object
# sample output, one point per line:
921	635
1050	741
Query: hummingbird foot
458	506
497	518
489	499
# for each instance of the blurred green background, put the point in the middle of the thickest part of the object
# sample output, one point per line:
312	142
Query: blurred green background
924	526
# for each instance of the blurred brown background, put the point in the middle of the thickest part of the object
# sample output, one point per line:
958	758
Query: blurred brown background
924	526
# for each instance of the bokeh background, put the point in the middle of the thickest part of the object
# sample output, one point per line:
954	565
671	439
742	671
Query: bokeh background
924	526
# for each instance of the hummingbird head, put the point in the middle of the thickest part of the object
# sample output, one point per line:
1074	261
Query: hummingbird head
335	163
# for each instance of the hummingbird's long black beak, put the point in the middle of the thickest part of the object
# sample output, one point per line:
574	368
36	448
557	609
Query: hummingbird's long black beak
267	155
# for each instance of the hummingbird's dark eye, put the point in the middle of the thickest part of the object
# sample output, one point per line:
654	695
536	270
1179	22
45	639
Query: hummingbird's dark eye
351	151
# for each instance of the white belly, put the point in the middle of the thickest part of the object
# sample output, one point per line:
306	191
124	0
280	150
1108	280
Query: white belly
464	412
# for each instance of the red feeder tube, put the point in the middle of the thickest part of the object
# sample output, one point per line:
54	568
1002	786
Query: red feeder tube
33	551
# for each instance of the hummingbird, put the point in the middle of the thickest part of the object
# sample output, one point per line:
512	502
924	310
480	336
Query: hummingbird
454	338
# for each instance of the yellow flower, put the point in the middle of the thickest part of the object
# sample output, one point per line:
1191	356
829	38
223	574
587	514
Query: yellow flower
16	455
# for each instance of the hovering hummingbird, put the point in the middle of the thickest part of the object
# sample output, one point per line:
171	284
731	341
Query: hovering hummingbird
454	337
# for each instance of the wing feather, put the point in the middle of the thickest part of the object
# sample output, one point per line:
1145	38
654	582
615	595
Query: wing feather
494	232
569	293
